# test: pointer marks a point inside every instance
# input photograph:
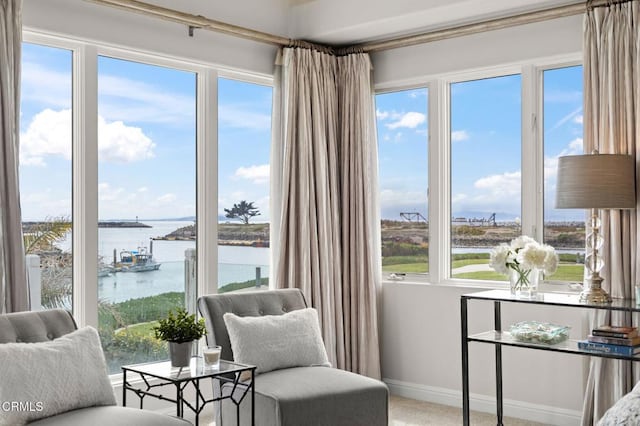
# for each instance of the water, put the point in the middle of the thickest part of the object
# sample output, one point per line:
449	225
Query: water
235	263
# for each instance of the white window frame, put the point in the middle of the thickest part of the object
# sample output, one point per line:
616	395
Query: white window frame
85	152
532	152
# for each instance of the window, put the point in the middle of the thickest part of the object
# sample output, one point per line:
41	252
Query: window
486	177
244	145
563	229
404	181
45	172
147	203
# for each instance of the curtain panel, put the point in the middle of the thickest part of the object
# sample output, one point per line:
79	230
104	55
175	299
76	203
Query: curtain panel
612	102
325	233
14	293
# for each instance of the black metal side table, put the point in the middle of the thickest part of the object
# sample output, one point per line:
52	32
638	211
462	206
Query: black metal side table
155	376
500	338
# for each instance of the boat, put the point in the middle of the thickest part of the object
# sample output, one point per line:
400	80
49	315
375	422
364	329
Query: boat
139	260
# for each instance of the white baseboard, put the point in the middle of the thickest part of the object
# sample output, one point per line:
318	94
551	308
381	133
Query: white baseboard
523	410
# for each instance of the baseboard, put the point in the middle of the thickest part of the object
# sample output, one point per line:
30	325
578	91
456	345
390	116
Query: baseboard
519	409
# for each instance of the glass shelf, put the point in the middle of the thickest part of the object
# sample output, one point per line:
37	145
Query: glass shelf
568	346
558	299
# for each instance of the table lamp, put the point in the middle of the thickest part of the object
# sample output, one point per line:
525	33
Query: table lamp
595	181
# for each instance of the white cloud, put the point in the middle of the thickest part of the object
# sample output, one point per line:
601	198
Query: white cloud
575	147
136	101
120	143
410	120
459	135
107	193
257	174
572	115
49	134
240	116
382	115
417	93
166	198
45	86
578	119
505	185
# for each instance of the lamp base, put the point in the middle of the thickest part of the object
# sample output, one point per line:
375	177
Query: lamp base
593	292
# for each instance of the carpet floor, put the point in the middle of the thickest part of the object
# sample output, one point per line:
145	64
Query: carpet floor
410	412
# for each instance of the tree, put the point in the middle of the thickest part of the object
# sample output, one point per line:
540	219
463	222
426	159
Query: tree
243	211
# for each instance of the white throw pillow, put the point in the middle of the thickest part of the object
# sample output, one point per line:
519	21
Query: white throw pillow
46	378
272	342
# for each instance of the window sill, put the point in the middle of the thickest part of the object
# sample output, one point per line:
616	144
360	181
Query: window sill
556	287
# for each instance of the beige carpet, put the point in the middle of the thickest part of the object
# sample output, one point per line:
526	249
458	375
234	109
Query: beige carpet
409	412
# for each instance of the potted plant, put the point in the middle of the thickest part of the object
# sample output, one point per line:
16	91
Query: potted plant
180	329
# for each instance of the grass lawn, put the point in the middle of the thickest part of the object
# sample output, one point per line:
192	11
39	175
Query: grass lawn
570	272
407	268
465	262
143	328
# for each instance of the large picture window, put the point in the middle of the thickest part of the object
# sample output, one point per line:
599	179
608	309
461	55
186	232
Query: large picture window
244	144
404	185
147	203
563	229
46	173
486	172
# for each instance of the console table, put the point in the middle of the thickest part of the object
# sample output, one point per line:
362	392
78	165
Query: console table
499	338
181	377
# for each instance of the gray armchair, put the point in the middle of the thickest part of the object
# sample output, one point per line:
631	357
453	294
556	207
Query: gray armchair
40	326
310	396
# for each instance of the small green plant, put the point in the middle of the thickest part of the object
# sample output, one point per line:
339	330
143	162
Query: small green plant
180	327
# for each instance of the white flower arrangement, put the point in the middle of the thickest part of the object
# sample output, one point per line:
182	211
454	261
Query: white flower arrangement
523	254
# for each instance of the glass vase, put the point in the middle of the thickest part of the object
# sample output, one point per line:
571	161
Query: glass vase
524	282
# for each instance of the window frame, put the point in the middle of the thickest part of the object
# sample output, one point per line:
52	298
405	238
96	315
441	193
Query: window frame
85	156
439	157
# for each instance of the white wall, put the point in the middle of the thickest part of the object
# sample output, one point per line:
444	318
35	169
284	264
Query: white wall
421	347
81	19
544	39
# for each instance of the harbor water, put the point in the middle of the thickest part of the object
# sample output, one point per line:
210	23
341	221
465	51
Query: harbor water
235	263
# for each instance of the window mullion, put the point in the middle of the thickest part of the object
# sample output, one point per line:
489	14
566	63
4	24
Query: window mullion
531	154
207	184
85	185
439	181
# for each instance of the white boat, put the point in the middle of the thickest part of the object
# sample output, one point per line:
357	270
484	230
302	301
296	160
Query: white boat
136	261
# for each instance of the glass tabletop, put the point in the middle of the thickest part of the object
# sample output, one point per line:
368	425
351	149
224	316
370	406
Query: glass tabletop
196	370
555	298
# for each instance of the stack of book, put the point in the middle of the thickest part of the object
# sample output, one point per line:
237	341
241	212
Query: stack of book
612	339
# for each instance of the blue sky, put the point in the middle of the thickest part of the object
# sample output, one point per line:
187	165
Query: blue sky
147	145
147	128
486	145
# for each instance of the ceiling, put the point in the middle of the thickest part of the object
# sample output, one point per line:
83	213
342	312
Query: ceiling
353	21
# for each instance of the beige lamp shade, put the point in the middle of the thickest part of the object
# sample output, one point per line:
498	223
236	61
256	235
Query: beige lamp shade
596	181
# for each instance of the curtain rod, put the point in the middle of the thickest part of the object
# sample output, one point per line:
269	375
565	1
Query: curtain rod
201	22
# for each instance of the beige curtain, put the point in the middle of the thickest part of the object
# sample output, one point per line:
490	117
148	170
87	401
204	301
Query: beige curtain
325	236
612	101
14	293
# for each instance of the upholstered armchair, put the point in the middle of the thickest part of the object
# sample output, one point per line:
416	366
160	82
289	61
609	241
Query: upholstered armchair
309	395
46	330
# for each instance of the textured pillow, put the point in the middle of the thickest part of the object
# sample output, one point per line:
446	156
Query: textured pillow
46	378
626	411
272	342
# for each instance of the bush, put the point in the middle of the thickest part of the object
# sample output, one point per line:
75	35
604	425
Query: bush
123	347
468	230
391	249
